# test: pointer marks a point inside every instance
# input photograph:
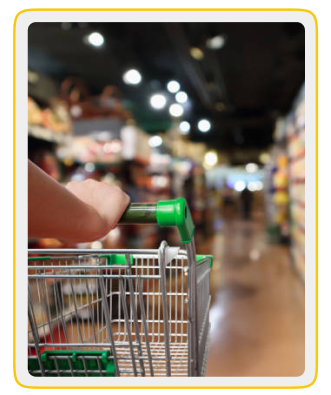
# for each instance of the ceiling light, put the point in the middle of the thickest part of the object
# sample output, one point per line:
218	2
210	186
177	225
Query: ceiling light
255	186
181	97
66	25
197	53
173	86
176	110
184	127
251	186
132	77
220	106
264	157
96	39
258	185
251	167
239	186
216	42
158	101
155	141
211	158
204	125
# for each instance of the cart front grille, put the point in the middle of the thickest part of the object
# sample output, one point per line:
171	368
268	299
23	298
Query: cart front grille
93	315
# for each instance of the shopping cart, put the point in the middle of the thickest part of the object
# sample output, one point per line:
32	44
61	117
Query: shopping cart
121	312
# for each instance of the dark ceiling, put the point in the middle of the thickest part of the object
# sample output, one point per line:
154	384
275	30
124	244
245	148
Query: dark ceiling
256	75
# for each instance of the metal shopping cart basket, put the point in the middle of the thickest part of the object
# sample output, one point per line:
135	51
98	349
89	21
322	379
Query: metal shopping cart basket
121	312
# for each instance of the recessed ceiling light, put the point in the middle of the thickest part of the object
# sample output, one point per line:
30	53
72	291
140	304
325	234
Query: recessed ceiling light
211	158
158	101
155	141
251	167
204	125
216	42
239	186
181	97
184	127
96	39
132	77
264	157
197	53
176	110
173	86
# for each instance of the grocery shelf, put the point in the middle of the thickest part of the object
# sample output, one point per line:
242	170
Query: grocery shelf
44	134
98	164
298	157
297	180
289	151
298	203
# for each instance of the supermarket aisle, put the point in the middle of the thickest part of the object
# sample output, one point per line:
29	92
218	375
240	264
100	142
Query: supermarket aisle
257	314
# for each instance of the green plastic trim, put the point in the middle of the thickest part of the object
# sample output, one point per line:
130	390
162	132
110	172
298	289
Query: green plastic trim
76	363
200	258
176	213
39	258
116	259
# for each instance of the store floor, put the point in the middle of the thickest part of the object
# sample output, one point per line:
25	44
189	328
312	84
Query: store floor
257	313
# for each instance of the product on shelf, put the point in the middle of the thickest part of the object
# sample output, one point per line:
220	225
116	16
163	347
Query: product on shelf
61	116
86	149
55	117
285	180
276	192
34	113
296	150
48	119
135	144
83	106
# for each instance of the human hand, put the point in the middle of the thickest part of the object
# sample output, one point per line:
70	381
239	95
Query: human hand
108	201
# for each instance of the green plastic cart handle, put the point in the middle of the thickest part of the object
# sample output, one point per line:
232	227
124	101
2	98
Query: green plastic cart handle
164	213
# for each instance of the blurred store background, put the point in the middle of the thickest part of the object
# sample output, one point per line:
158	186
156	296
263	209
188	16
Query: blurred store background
213	112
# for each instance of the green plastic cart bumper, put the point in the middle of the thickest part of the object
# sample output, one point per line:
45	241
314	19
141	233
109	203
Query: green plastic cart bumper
116	259
200	258
164	213
39	258
71	359
176	213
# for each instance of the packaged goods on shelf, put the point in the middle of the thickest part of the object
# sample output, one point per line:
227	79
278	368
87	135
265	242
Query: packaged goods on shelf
297	168
135	144
86	149
286	174
295	131
159	163
83	106
55	117
298	193
181	147
276	190
61	116
34	113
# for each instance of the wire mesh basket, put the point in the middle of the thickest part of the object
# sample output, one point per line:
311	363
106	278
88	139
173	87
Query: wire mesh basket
118	312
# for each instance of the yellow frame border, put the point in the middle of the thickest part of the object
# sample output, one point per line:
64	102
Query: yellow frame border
14	190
